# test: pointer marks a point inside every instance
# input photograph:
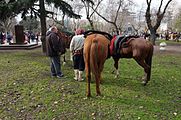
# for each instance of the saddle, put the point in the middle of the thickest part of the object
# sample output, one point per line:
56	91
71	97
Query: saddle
89	32
119	42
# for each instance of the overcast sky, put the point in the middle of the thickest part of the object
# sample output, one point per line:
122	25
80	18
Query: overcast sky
140	3
157	2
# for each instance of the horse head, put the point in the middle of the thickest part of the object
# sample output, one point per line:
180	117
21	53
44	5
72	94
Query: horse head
65	39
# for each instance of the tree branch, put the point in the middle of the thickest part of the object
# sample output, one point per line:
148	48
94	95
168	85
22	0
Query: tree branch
102	16
160	7
148	2
166	6
160	16
117	11
96	7
148	15
86	9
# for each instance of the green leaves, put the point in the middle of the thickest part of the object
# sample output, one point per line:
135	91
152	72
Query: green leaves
29	7
29	23
15	7
64	6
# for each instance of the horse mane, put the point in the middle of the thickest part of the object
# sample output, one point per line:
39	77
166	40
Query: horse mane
89	32
132	36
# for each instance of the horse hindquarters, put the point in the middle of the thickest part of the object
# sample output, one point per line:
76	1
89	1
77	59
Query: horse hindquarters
145	61
98	53
95	54
143	58
91	64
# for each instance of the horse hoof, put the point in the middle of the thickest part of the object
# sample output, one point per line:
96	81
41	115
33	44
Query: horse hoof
98	95
144	83
115	76
88	95
143	78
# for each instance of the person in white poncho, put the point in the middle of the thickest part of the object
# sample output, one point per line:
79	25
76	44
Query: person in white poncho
76	47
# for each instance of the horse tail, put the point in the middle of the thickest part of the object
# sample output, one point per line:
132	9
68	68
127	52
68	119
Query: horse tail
94	56
148	60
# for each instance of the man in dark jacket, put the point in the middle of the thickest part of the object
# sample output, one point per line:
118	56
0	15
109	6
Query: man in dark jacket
54	49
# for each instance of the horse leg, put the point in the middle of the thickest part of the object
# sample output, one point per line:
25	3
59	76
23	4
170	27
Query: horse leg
116	66
145	76
101	66
64	60
88	85
97	77
148	61
88	75
88	78
146	70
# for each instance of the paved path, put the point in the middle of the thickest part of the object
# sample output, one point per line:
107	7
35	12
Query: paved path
169	48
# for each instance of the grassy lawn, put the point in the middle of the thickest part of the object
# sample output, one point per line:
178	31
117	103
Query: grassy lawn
28	92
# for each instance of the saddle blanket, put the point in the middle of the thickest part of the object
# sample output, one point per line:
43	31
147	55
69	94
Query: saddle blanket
116	43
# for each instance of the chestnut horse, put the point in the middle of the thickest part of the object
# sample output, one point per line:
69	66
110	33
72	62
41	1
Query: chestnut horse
141	50
95	52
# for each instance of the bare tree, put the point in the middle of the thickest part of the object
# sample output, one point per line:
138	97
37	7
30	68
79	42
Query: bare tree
77	7
88	4
8	24
169	16
159	16
177	21
139	21
126	18
113	22
114	17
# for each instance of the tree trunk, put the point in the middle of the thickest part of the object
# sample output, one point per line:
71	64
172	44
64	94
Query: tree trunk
43	25
153	36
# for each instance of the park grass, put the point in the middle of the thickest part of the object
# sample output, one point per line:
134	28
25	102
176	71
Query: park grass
28	92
